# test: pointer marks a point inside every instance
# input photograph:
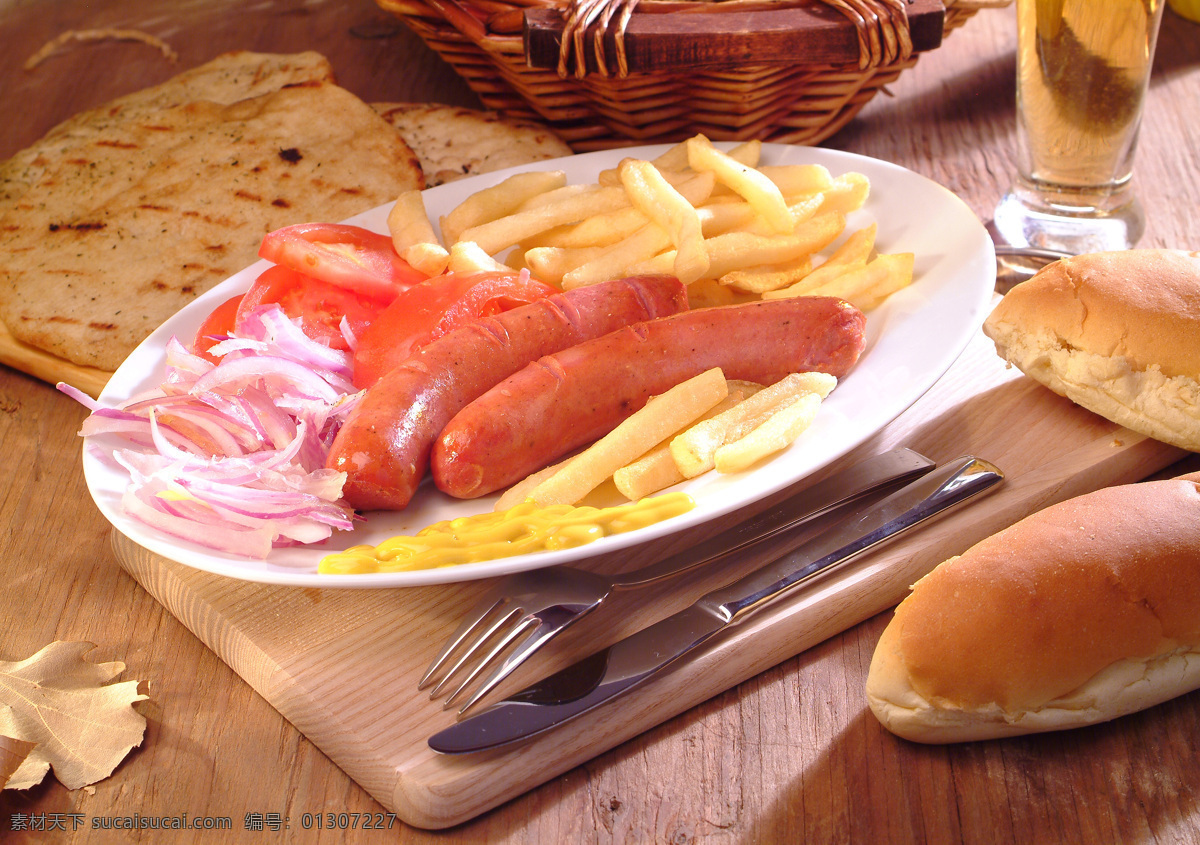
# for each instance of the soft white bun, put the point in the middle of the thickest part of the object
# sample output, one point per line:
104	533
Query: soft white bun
1115	332
1082	612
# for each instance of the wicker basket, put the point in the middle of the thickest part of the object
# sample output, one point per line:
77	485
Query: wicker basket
606	106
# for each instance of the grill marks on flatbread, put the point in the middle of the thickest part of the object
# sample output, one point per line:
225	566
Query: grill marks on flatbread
454	142
226	79
116	220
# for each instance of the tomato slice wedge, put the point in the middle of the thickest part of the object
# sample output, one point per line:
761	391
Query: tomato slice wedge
216	327
433	308
350	257
490	293
319	305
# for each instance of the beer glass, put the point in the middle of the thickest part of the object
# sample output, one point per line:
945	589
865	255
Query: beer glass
1083	67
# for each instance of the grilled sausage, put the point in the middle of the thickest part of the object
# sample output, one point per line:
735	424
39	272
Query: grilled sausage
568	399
384	445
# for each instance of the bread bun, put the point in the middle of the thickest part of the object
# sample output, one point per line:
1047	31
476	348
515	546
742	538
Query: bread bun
1115	332
1082	612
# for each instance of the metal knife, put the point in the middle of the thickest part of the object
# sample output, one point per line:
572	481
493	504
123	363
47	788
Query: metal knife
643	655
872	476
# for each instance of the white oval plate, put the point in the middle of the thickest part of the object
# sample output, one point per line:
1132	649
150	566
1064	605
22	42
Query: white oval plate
911	341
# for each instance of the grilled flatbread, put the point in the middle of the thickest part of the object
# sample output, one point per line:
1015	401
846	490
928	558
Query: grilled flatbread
121	216
454	142
226	79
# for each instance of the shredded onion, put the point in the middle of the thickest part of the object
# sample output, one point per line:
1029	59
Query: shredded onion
231	455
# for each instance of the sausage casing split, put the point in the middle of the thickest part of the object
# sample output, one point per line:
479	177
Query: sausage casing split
570	398
384	445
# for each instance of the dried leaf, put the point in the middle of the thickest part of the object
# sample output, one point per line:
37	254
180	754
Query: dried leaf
80	724
13	753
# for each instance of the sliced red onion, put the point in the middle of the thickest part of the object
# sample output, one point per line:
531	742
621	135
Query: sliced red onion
78	395
232	455
348	333
215	534
333	365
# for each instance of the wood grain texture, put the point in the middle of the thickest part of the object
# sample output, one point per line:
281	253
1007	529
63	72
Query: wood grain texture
373	646
792	754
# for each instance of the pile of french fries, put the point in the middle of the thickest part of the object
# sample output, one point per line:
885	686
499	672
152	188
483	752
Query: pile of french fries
729	227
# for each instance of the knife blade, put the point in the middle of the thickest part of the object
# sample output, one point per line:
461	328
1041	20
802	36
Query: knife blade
633	661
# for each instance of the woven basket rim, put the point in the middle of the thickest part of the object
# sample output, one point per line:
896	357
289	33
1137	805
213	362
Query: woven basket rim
606	112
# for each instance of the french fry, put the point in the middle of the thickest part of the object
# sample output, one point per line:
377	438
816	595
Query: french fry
648	474
497	201
676	159
408	222
744	180
610	227
468	257
694	451
709	293
430	258
662	203
744	387
857	247
867	287
802	211
642	477
519	492
725	214
794	180
502	232
748	153
597	230
768	278
656	469
551	264
739	250
851	255
778	432
613	261
848	193
555	196
662	415
806	209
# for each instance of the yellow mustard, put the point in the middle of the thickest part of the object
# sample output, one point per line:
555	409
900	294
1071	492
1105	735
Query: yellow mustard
516	531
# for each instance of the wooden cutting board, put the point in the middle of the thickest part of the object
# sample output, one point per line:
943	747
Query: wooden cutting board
342	666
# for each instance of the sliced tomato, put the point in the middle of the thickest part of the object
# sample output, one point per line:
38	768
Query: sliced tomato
490	293
216	327
347	256
319	305
432	308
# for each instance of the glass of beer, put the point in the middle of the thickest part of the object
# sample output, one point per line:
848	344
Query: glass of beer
1083	67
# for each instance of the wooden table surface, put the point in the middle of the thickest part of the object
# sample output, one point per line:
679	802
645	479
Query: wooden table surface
792	755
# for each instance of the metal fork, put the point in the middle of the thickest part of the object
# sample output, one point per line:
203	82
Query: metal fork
527	610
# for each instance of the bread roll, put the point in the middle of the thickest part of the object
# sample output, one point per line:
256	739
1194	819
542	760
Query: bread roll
1115	332
1082	612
